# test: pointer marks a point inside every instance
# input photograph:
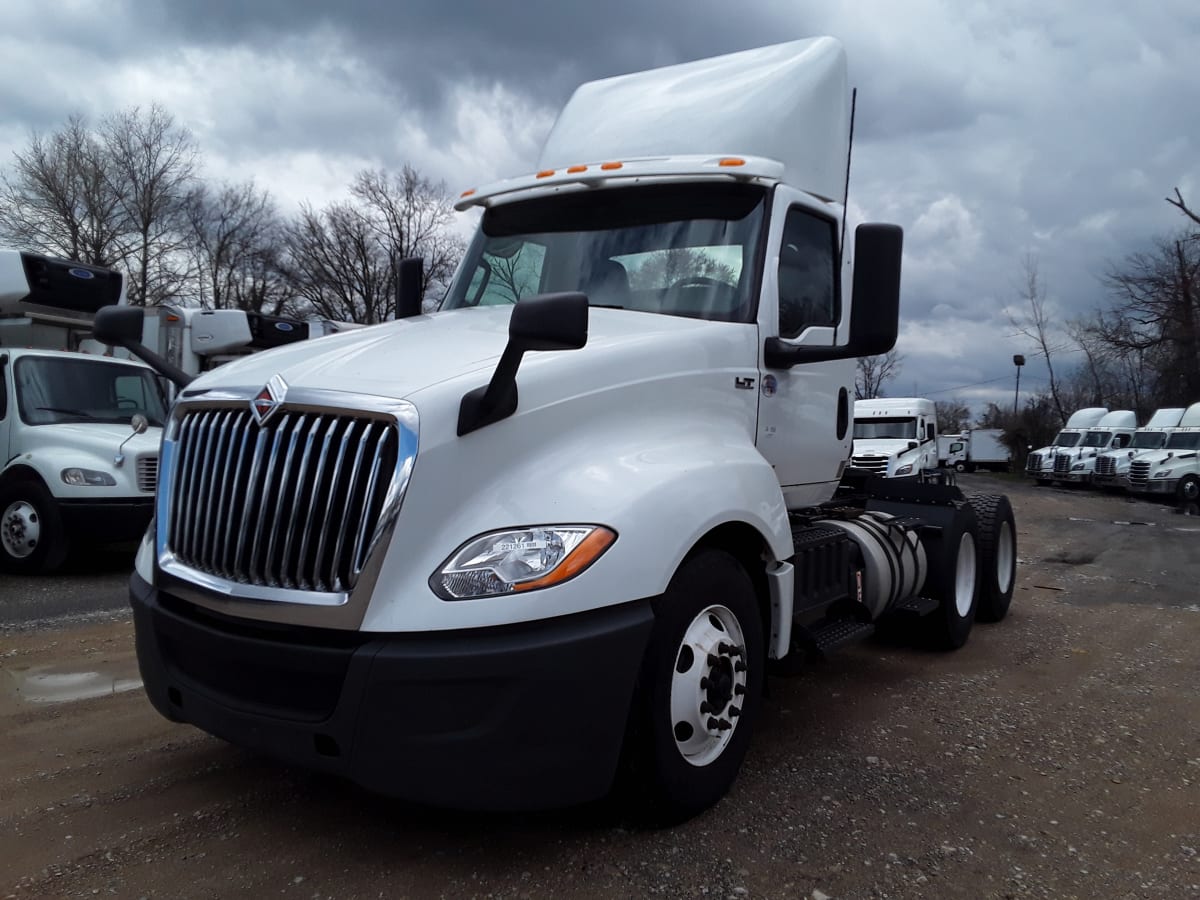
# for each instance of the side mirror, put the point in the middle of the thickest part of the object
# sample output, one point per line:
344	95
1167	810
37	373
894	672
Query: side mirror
121	326
542	322
139	424
875	303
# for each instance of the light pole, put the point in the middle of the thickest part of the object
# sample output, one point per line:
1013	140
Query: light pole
1018	361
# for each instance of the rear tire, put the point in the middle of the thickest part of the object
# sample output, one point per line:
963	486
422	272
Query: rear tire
953	580
997	555
32	538
700	688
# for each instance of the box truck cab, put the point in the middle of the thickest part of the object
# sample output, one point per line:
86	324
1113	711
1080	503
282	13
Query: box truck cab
1040	463
894	437
1174	469
490	556
79	433
1114	431
952	451
1112	466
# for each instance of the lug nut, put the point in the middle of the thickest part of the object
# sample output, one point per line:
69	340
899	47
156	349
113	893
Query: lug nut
713	659
713	724
739	667
734	712
705	708
704	684
724	724
739	689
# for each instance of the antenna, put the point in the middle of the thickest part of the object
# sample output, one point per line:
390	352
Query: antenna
846	191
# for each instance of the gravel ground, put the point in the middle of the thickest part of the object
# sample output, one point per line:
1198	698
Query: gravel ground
1056	755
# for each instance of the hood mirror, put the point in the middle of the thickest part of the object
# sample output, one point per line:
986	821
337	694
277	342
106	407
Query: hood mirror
139	424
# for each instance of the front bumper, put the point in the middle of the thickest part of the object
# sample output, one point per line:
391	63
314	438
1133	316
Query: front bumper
106	521
522	717
1111	480
1156	486
1075	477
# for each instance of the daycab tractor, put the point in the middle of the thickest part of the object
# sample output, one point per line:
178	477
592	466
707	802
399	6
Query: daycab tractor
78	433
1114	431
1112	466
1175	469
1040	464
894	437
493	556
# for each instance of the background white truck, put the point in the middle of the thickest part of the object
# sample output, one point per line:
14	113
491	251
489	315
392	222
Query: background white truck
1040	463
1175	469
1114	431
1112	466
978	448
894	437
73	467
488	557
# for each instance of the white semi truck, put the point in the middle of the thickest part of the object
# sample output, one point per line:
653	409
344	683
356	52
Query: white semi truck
1114	431
1112	466
79	433
1175	469
490	556
894	437
1040	463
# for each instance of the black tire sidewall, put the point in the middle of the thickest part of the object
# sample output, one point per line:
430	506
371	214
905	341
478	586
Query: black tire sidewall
992	511
946	629
51	548
1181	490
676	789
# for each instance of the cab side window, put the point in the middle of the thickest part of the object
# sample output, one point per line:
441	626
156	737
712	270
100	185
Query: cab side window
3	386
807	273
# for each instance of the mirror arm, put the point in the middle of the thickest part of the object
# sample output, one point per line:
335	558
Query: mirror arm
779	354
181	378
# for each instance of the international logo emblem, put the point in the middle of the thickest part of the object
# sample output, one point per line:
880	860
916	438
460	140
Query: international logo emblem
268	400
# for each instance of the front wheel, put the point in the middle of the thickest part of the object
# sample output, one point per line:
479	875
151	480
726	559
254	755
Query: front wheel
32	538
1189	489
701	684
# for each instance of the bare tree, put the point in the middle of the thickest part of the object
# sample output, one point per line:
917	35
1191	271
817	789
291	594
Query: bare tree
237	241
153	164
953	415
411	215
1035	324
1178	203
874	372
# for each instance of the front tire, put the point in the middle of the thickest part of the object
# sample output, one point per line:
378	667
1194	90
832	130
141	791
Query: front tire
997	555
701	686
1188	490
32	538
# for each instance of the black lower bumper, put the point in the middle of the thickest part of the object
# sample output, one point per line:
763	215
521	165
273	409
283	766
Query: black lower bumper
106	521
522	717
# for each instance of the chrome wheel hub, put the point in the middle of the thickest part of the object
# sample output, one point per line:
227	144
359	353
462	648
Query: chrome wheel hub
707	685
20	529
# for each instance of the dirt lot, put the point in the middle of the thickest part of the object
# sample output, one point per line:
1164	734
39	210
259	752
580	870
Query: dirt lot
1057	755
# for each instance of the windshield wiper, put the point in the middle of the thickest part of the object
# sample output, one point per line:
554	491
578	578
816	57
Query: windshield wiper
68	412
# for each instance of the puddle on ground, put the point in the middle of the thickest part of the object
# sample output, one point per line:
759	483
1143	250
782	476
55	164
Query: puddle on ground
55	684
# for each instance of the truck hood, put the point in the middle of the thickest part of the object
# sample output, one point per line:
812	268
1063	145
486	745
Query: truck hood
881	446
1158	457
98	439
400	359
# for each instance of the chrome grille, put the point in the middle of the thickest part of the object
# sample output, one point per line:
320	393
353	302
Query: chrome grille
147	473
1034	463
870	463
1062	464
293	503
1106	465
1139	474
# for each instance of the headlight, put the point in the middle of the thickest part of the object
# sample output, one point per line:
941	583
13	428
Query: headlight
87	477
1078	467
905	470
523	559
1163	474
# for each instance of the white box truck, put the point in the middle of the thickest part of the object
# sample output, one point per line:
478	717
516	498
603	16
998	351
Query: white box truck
79	433
952	451
490	556
894	437
1075	465
1175	469
978	448
1040	463
1112	466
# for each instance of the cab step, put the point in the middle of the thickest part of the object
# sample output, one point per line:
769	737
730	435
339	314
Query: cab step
915	606
840	632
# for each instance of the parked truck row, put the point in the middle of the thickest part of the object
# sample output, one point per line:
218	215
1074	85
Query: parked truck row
1109	450
492	556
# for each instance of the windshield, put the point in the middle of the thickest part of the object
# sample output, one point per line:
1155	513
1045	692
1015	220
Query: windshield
886	428
1147	440
1184	440
1097	439
1066	439
51	390
680	250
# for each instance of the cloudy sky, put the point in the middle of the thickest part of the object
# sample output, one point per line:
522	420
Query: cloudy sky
989	130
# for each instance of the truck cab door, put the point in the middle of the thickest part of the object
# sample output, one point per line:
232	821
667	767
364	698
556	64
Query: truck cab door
805	412
7	411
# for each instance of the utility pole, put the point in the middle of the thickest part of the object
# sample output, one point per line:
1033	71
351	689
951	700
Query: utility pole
1018	361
